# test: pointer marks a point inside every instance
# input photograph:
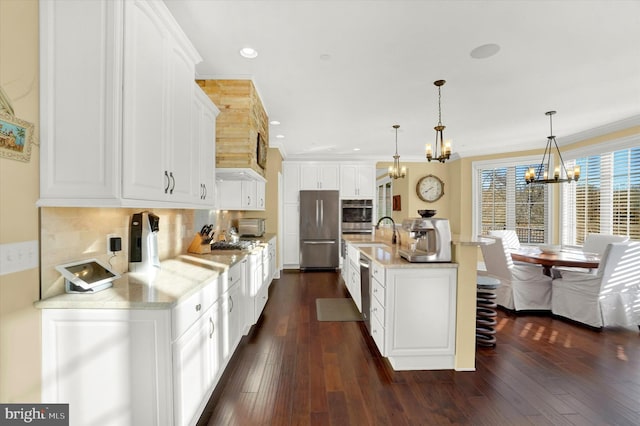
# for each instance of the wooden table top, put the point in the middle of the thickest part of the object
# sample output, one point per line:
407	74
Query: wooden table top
565	257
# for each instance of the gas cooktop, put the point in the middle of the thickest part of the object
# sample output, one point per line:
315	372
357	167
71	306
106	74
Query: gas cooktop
228	245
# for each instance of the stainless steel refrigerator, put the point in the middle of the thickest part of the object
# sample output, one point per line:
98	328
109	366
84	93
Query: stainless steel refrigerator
319	229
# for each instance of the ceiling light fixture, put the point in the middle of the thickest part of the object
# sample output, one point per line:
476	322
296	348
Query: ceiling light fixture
274	122
443	148
248	52
395	171
280	136
560	174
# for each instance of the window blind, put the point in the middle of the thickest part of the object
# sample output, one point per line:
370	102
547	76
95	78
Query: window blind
606	199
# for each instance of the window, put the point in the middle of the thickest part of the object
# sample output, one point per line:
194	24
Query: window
385	196
503	200
606	198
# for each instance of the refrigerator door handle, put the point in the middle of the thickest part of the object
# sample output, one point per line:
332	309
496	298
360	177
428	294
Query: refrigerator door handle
321	212
319	242
317	222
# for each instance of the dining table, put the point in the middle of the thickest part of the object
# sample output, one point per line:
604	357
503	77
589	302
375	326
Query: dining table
567	257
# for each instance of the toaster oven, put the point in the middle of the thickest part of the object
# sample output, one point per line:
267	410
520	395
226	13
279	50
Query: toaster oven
251	227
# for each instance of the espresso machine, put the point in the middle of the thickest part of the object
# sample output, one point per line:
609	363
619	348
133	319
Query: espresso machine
429	240
143	243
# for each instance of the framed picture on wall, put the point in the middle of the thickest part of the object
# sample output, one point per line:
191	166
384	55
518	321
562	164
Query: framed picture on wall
397	205
261	152
16	137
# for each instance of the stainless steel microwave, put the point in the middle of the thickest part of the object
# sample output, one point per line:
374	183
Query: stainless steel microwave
251	227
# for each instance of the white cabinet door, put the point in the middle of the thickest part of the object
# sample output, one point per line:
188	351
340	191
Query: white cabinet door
366	176
357	181
291	237
420	308
145	172
204	119
319	176
180	146
291	182
231	320
261	194
249	195
80	102
112	366
196	366
229	194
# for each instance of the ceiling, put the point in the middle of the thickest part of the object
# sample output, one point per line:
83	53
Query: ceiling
339	74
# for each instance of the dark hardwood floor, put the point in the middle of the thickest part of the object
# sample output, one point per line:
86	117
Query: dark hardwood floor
294	370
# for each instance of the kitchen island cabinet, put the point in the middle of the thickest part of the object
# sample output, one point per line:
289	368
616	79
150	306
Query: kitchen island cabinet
413	307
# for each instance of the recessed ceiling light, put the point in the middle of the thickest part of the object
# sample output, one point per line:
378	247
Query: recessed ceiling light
280	136
248	52
356	149
274	122
485	51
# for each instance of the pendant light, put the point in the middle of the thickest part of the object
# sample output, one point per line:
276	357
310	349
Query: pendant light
395	171
442	148
560	173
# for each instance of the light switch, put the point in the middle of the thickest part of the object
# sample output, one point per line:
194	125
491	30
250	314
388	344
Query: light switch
16	257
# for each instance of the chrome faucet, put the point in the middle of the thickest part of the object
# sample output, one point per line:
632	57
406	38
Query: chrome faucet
394	235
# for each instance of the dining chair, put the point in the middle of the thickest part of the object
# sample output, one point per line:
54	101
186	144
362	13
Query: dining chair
509	237
597	243
522	286
610	297
593	243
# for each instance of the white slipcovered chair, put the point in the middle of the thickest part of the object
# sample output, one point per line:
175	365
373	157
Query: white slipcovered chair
522	286
610	297
597	243
509	237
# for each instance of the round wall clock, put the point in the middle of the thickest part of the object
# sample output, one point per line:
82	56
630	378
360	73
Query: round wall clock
430	188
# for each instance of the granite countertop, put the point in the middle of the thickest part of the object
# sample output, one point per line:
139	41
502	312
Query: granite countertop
176	280
380	250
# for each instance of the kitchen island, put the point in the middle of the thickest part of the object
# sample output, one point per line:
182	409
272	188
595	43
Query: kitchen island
430	320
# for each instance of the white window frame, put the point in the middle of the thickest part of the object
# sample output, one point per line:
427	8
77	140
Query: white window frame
476	166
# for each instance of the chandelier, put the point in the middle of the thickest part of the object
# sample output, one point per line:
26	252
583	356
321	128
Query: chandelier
560	173
395	171
442	148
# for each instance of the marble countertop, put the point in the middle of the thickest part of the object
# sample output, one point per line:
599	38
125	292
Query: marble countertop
176	280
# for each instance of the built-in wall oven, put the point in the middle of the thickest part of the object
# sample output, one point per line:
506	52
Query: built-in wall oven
357	216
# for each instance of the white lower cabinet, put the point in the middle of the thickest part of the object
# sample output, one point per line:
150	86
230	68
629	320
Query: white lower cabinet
145	366
196	365
112	366
415	316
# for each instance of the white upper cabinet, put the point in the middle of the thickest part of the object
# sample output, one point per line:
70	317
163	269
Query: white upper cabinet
80	101
158	92
357	181
240	189
117	107
319	176
204	131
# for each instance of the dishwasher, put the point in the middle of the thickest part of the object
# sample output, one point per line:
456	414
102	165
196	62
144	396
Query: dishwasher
365	290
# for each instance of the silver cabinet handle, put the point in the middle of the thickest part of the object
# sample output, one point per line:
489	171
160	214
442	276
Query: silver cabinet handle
166	188
198	307
211	328
173	181
231	303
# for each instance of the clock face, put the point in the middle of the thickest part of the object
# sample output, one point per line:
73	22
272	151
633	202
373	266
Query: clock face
430	188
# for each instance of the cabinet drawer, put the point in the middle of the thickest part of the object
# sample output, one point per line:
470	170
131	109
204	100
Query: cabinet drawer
191	309
378	291
377	332
377	310
378	272
261	300
235	273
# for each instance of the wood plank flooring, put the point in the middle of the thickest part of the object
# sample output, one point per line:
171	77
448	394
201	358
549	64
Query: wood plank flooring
294	370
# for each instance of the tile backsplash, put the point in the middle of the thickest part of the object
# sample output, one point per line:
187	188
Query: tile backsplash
70	234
